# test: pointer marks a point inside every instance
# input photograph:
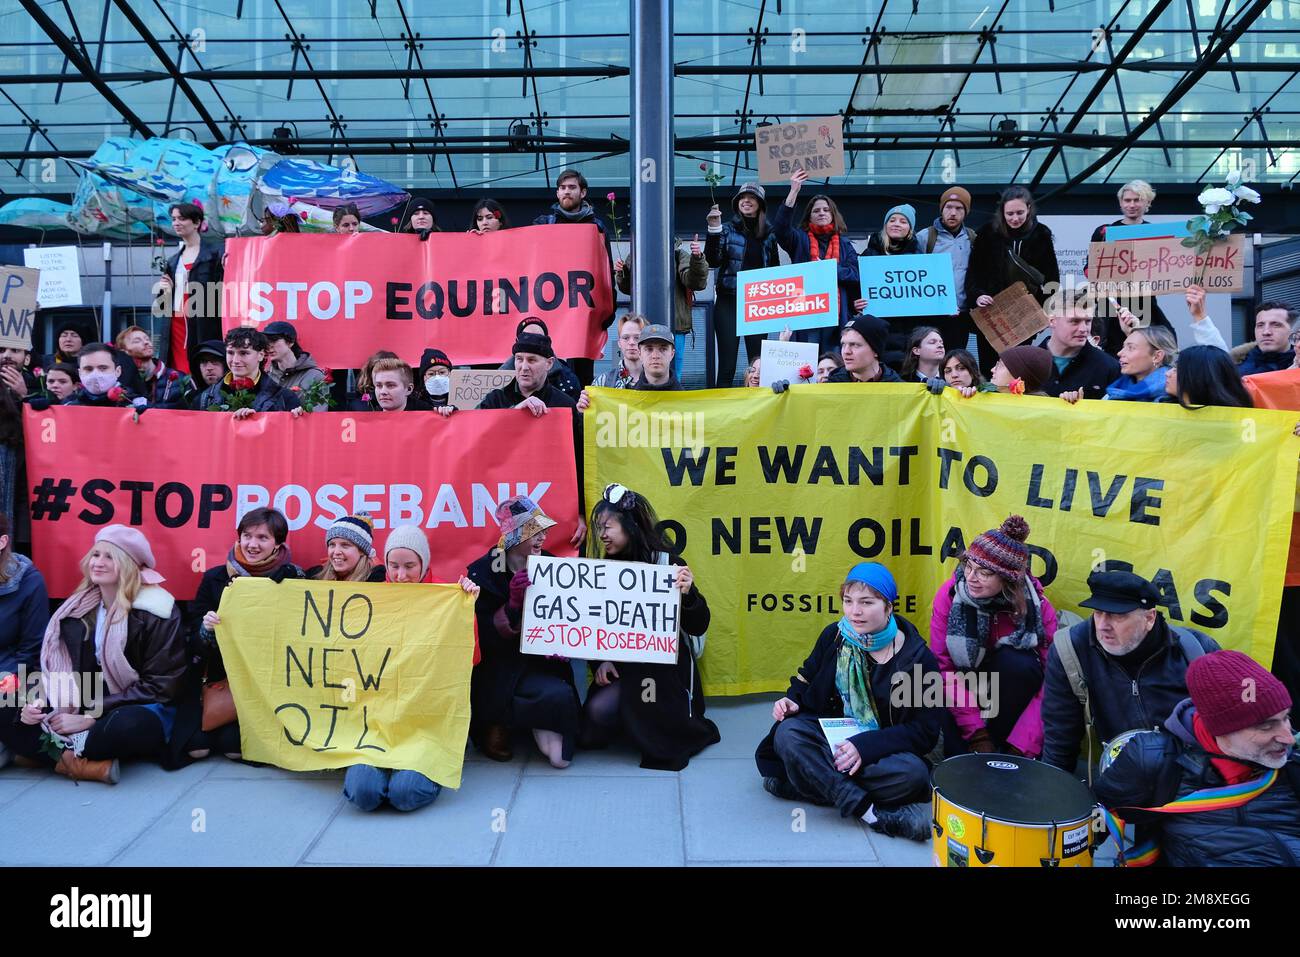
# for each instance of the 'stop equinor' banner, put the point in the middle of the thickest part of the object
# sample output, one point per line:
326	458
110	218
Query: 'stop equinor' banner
349	296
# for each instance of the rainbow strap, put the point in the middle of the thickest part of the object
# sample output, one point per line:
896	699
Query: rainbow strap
1206	799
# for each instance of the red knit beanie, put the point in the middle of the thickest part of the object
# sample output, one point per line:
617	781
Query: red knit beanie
1232	691
1002	550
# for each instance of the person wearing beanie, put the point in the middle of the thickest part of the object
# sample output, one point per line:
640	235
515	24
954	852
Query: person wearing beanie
434	379
406	561
744	242
862	343
820	234
350	552
112	663
1022	370
1125	667
562	376
420	218
991	628
511	691
68	340
1233	732
949	235
879	773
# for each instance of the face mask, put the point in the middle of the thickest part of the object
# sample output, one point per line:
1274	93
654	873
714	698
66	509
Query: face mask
437	385
98	383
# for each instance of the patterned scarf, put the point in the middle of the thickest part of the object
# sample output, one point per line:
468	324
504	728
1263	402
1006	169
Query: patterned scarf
58	674
853	670
833	245
239	565
970	620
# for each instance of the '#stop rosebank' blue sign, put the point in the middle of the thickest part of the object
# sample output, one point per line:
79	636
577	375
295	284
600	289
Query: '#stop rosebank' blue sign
908	285
801	296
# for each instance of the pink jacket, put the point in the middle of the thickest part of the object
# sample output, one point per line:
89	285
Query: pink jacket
1027	735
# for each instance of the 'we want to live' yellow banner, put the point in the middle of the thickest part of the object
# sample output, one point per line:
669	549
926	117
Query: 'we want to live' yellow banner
772	498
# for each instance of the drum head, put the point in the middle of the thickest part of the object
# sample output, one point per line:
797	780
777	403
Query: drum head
1013	789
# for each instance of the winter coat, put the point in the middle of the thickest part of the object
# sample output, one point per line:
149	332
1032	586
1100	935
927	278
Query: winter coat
1090	372
1257	361
82	397
268	397
1157	767
585	215
24	613
991	270
887	374
798	245
692	276
1027	734
1118	702
912	729
303	374
725	251
958	249
169	389
644	385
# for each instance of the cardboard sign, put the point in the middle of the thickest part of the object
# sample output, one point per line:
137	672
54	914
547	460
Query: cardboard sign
1119	234
468	386
17	306
784	360
601	610
60	275
1014	317
800	295
815	144
1164	267
908	285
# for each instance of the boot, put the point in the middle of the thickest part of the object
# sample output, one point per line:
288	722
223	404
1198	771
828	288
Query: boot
79	769
496	742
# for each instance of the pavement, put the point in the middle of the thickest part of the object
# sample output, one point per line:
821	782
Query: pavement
603	810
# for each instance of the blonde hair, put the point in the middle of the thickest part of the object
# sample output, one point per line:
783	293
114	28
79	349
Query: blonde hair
636	317
1158	337
128	579
1140	186
360	573
392	365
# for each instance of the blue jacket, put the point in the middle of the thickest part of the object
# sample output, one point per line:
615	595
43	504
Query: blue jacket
1259	361
725	251
797	243
24	613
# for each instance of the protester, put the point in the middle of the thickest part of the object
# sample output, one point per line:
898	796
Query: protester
347	219
61	381
1206	375
191	285
393	383
420	218
24	614
691	276
290	367
562	376
260	550
212	362
1022	370
1130	667
363	398
119	631
923	360
754	373
670	728
950	235
961	371
1273	350
406	561
862	342
628	370
509	689
744	242
656	348
827	363
1012	247
279	218
245	390
1135	199
435	374
13	462
68	341
164	388
880	774
1144	363
1079	369
100	377
990	630
896	237
350	552
1219	737
488	216
820	234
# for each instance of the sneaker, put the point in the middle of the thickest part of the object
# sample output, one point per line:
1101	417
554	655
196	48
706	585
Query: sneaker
911	821
780	787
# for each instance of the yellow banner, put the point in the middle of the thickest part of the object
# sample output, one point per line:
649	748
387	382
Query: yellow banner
772	498
331	674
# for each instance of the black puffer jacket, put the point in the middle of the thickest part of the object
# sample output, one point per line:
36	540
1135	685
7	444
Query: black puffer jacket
1119	703
268	397
1157	767
991	269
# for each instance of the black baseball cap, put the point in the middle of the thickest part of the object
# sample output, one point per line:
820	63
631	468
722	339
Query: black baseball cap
213	347
656	332
280	330
1119	592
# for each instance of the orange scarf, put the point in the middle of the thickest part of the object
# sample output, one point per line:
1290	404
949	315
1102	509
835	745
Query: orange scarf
832	248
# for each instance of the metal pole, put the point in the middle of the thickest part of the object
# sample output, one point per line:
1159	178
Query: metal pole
652	160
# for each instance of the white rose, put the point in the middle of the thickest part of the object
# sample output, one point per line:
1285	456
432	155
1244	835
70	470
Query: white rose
1246	194
1214	199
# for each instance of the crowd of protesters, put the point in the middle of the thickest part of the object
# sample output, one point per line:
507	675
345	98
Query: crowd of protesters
168	699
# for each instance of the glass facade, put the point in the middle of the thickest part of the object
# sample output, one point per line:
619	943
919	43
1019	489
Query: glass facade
976	90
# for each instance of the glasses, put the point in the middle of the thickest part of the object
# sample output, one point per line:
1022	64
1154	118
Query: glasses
979	573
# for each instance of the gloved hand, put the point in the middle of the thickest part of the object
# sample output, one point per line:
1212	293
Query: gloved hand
780	385
981	742
518	585
936	385
39	402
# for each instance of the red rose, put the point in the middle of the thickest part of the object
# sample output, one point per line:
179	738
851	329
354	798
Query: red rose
805	371
704	166
115	394
329	376
173	375
295	388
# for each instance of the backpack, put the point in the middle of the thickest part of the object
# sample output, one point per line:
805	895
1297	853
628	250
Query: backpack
932	237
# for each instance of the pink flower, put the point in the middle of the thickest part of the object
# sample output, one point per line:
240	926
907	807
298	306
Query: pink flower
610	197
1017	387
393	220
303	214
38	372
365	397
705	167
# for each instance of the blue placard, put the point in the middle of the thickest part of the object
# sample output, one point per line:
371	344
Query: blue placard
908	285
801	296
1175	230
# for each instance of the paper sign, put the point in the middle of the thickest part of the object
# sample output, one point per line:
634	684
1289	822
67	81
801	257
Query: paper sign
1163	267
800	295
784	360
838	730
1014	317
908	285
815	144
1175	230
469	386
601	610
60	275
17	306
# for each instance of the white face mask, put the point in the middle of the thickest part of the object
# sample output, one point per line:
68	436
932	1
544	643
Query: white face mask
437	385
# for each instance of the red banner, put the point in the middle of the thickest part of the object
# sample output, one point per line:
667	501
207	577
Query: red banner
350	296
184	478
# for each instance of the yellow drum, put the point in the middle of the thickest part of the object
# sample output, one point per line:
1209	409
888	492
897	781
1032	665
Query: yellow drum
997	810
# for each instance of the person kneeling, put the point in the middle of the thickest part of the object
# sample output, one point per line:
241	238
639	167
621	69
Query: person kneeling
879	774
